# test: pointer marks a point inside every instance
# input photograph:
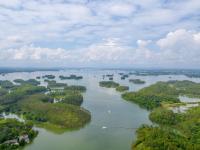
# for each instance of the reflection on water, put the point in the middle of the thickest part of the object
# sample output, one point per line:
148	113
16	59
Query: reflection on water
114	120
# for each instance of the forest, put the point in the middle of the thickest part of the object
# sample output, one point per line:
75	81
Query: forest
38	105
170	130
15	134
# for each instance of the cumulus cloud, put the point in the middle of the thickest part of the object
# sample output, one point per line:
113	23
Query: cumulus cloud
135	32
118	9
179	48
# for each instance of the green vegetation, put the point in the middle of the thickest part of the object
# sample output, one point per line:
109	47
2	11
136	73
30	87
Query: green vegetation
38	77
122	88
72	76
30	101
6	84
108	84
49	76
54	84
154	95
109	75
76	88
137	81
112	84
19	93
187	88
124	76
68	97
171	130
30	81
148	100
60	115
3	92
15	134
182	133
164	116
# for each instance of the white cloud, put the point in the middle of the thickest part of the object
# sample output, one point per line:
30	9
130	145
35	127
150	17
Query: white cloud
143	43
74	30
10	3
31	53
178	38
110	51
179	48
120	9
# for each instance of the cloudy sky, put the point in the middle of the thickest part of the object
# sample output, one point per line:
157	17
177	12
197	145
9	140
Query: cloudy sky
100	33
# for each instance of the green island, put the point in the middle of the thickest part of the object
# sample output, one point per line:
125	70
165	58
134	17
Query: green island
30	81
124	76
15	134
109	76
122	88
108	84
38	77
72	76
49	76
54	109
170	130
76	88
5	84
136	81
54	84
112	84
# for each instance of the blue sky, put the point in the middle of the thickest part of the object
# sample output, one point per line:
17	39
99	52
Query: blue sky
100	33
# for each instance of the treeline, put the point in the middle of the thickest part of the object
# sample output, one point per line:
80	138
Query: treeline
170	130
37	103
112	84
169	92
174	131
136	81
15	134
72	76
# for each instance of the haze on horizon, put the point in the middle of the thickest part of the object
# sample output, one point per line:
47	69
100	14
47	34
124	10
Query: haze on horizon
100	33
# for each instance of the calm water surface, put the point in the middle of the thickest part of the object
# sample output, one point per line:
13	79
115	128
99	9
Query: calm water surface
114	120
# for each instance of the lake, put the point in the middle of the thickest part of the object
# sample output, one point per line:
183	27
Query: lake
114	120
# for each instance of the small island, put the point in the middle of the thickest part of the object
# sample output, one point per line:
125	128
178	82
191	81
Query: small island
137	81
49	76
124	76
108	84
38	77
122	88
54	84
30	81
112	84
71	77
